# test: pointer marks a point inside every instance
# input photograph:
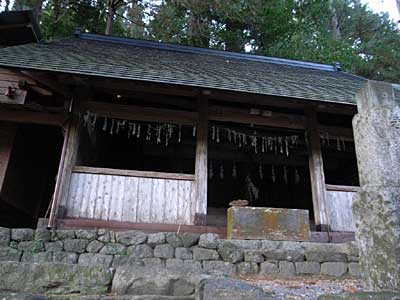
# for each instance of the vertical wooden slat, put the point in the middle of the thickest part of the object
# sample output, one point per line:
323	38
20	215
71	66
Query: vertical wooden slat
105	214
121	192
193	201
201	162
184	205
86	195
171	200
316	169
159	201
93	196
113	199
144	201
72	202
127	199
99	200
188	202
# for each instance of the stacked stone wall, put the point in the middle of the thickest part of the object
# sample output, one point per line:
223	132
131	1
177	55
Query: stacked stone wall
204	252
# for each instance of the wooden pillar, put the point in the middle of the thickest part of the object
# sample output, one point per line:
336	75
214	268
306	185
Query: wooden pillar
7	134
201	162
67	162
316	166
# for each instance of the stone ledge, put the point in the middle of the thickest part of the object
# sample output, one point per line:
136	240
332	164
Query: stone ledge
363	296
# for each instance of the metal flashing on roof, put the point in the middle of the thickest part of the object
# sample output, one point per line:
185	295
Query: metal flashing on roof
207	51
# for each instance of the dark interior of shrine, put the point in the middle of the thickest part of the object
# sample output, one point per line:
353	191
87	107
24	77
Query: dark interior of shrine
31	175
130	145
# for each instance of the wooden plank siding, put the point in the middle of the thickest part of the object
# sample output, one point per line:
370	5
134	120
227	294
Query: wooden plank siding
339	207
131	199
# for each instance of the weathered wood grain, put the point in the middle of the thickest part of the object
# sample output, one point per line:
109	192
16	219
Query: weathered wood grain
201	164
316	166
340	213
133	173
131	199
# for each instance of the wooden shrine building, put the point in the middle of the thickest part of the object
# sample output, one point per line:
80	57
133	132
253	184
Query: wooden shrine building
103	131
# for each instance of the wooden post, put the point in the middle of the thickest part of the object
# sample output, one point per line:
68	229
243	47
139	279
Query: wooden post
316	166
7	134
201	162
67	162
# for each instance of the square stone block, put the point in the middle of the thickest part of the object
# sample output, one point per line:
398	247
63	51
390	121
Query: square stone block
264	223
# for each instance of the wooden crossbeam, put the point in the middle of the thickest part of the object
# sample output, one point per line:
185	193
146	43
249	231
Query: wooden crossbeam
29	117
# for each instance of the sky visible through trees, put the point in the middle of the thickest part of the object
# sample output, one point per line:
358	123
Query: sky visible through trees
364	42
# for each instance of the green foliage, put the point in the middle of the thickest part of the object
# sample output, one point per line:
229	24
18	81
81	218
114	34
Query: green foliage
363	42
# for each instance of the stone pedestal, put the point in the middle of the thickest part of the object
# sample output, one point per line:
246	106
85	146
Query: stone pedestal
377	207
264	223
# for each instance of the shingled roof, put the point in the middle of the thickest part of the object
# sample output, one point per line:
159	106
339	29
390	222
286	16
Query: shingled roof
97	55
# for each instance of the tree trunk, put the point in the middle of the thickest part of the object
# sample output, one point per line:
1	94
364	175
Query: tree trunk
398	6
110	18
335	22
38	11
7	6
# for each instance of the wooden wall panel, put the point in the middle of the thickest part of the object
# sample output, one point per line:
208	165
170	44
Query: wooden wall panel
340	214
131	199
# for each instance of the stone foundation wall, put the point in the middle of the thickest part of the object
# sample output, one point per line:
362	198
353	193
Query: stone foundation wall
205	252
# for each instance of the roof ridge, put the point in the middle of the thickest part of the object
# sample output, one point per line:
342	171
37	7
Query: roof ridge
207	51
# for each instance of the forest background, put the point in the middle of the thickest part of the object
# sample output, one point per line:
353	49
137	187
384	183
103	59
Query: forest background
345	31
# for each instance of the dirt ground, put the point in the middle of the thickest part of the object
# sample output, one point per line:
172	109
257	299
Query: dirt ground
306	288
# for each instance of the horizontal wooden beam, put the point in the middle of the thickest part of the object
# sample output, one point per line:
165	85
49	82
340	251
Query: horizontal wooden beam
140	113
256	117
342	188
133	173
337	132
29	117
147	227
120	85
216	113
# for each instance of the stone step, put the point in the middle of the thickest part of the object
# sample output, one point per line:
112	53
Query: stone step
54	278
27	296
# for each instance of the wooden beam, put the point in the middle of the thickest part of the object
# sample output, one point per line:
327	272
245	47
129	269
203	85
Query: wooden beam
216	113
67	162
29	117
316	169
133	173
7	135
257	117
140	113
342	188
48	80
201	164
120	85
146	227
337	132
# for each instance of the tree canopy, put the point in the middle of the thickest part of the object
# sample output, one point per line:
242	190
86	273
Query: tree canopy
344	31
